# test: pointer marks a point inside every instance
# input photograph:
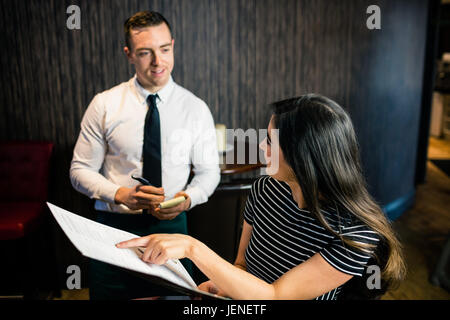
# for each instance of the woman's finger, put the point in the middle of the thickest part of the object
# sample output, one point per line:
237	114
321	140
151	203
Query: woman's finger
162	257
155	253
147	253
136	242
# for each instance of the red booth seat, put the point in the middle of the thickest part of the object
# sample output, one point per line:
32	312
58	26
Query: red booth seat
24	168
25	219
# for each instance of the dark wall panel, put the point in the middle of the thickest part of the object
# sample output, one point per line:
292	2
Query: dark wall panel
237	55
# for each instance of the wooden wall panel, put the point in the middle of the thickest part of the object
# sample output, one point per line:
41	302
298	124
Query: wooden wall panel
237	55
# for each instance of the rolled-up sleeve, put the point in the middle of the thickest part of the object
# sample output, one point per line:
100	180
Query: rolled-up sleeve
205	160
89	154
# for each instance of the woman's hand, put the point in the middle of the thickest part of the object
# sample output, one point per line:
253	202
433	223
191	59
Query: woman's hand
210	287
162	247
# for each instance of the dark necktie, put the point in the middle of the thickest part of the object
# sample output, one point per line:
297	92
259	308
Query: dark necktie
152	144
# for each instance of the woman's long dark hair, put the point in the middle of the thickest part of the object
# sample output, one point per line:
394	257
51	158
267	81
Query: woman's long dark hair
319	143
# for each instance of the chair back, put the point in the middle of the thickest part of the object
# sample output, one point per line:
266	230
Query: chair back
24	170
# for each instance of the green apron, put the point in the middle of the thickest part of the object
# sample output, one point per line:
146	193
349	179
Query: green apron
107	282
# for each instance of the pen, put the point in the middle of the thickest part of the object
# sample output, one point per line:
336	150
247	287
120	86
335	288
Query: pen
142	180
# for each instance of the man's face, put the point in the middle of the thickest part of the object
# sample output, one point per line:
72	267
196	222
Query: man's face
151	53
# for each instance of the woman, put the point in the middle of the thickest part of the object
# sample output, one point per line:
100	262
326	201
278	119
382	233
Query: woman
309	227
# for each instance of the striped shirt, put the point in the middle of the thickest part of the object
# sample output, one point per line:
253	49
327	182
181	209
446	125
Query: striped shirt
284	236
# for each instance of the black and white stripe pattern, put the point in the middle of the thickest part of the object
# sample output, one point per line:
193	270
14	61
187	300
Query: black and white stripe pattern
284	236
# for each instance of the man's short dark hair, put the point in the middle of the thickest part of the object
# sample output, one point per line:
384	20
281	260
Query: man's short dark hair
143	19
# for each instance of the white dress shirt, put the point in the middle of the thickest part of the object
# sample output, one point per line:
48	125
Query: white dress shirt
109	148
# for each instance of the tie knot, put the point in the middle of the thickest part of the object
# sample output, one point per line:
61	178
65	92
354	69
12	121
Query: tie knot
151	100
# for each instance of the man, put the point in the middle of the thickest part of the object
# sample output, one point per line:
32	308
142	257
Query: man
151	127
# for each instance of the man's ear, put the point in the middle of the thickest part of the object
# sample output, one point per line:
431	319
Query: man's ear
128	54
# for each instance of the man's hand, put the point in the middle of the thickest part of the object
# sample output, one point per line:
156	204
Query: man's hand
140	197
171	213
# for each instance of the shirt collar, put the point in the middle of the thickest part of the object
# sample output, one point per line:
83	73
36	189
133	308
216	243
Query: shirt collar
163	93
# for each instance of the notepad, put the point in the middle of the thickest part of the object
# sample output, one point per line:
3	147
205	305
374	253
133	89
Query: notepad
172	203
97	241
